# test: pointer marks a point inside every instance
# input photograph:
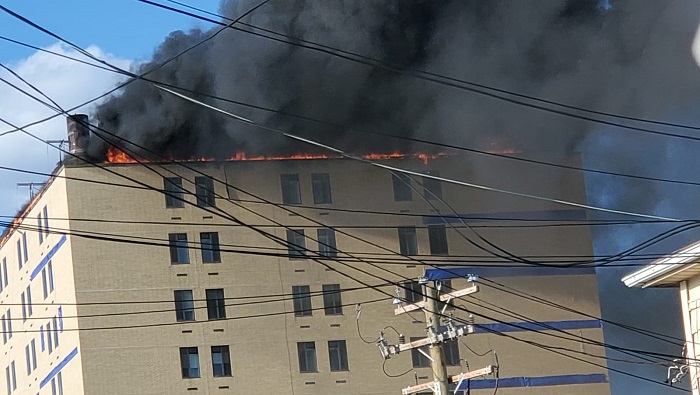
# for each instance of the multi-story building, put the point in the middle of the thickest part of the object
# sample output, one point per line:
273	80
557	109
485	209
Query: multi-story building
679	269
244	276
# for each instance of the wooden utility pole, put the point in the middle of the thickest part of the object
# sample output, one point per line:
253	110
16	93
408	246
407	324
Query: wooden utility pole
432	317
436	337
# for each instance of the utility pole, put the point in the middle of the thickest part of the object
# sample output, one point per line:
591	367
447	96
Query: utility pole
436	337
432	318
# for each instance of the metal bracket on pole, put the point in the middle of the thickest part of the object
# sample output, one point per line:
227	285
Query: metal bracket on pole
443	298
459	379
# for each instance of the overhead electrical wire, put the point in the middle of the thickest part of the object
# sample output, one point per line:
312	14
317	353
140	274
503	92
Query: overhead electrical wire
437	78
529	97
356	279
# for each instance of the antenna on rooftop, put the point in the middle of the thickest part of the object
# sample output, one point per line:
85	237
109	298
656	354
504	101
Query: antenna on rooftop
34	187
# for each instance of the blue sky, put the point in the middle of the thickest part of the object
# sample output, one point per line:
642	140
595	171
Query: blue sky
124	28
123	32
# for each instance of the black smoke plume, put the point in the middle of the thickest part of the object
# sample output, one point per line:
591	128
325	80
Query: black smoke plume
572	51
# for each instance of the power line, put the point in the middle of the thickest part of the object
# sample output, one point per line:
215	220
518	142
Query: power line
435	78
412	139
282	242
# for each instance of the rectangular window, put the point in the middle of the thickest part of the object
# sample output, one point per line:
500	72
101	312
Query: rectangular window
432	188
24	306
40	223
221	361
338	355
41	336
19	253
216	306
29	301
402	187
57	384
307	357
332	301
205	191
49	269
6	279
326	242
4	329
296	243
301	295
179	252
46	222
29	360
44	283
189	362
291	191
211	253
55	331
450	350
446	288
8	380
2	274
9	324
30	352
321	188
47	279
174	193
49	339
413	292
184	305
438	240
14	375
24	247
417	358
408	243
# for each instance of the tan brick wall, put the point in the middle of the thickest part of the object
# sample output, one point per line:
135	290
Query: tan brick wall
145	360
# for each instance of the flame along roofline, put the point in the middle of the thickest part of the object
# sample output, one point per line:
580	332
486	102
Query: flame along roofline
117	157
17	221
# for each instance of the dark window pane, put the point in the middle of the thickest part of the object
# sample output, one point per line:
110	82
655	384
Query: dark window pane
402	188
445	289
408	244
296	243
321	187
178	248
184	305
189	362
438	240
332	302
307	357
326	242
221	361
205	192
338	355
211	252
173	192
291	192
450	349
413	292
419	360
216	307
302	300
432	188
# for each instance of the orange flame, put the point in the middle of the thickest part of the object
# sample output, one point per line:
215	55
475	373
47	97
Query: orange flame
115	155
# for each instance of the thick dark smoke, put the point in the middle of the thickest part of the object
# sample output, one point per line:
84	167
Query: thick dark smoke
571	51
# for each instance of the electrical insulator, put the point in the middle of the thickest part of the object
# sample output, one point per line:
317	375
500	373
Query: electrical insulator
471	319
402	339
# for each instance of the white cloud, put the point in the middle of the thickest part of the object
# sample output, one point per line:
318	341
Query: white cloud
67	82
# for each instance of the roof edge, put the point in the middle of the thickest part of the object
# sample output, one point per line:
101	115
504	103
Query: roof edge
655	272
